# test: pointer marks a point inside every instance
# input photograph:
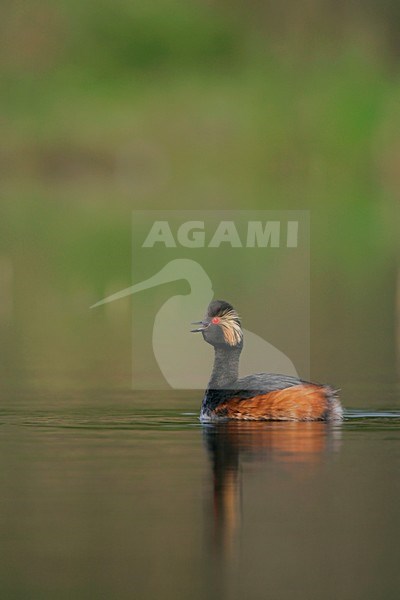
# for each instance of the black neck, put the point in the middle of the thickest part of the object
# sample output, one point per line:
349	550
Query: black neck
226	367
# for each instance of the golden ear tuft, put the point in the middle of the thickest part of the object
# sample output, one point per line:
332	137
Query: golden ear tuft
231	329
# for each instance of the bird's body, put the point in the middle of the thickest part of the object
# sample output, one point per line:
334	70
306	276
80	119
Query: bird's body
275	398
263	396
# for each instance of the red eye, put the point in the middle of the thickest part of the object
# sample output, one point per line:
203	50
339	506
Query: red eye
215	320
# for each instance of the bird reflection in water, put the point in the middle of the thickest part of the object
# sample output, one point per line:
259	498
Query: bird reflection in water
297	447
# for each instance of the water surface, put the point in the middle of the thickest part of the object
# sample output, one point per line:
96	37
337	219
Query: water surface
110	494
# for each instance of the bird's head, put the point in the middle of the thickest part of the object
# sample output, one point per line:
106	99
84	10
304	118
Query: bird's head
221	325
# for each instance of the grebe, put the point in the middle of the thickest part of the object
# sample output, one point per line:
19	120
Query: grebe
263	396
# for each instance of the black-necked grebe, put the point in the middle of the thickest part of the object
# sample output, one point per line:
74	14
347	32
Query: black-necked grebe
263	396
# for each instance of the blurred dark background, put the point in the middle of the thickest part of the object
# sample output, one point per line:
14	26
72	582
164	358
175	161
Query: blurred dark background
112	106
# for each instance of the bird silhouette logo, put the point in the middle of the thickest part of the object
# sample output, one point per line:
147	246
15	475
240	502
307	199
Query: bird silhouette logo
185	363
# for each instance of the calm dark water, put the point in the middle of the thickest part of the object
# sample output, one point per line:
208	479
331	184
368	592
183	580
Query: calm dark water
118	495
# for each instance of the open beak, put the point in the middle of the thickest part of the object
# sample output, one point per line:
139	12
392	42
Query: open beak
202	328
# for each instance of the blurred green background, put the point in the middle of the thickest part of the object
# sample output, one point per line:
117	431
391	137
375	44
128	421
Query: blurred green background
112	106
